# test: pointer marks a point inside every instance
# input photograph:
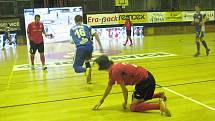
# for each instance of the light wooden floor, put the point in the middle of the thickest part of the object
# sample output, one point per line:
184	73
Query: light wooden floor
61	95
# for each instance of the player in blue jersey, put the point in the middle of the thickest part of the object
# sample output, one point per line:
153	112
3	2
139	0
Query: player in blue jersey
199	22
81	36
6	37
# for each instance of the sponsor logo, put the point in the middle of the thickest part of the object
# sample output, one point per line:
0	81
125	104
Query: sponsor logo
12	23
102	20
116	18
156	17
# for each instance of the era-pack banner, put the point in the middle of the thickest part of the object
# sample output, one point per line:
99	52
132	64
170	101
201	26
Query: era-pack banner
102	19
144	17
116	18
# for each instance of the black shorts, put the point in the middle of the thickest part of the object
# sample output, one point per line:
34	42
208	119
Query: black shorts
128	32
145	89
34	47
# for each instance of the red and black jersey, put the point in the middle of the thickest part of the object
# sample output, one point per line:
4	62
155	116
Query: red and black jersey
128	74
35	31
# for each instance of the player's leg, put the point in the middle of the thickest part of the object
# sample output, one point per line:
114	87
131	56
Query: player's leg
4	41
42	56
87	64
204	43
145	91
126	38
129	37
131	43
145	106
42	59
79	60
88	71
197	44
33	49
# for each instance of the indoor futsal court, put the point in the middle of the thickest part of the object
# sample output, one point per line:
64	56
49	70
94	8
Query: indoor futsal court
61	94
163	43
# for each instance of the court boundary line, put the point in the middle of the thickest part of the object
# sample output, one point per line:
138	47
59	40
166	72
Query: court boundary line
187	83
57	100
188	98
83	97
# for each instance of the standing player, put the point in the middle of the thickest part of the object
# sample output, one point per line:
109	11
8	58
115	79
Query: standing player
138	31
35	30
6	37
199	22
128	24
130	74
81	35
143	31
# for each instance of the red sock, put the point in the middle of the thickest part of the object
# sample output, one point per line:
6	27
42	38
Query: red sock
139	107
32	59
157	95
42	58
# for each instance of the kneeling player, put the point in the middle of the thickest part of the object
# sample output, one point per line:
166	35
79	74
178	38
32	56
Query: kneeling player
130	74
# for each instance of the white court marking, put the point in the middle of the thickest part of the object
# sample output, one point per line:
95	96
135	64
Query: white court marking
189	98
69	62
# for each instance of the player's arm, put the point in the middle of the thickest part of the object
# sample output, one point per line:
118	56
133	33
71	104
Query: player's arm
106	93
71	40
45	32
125	95
94	33
132	26
123	26
9	36
99	42
205	18
71	37
192	23
29	32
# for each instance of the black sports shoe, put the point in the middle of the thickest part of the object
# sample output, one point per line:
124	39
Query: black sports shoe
208	52
197	54
44	68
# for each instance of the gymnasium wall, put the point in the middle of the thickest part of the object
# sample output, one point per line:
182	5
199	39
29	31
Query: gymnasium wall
15	9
